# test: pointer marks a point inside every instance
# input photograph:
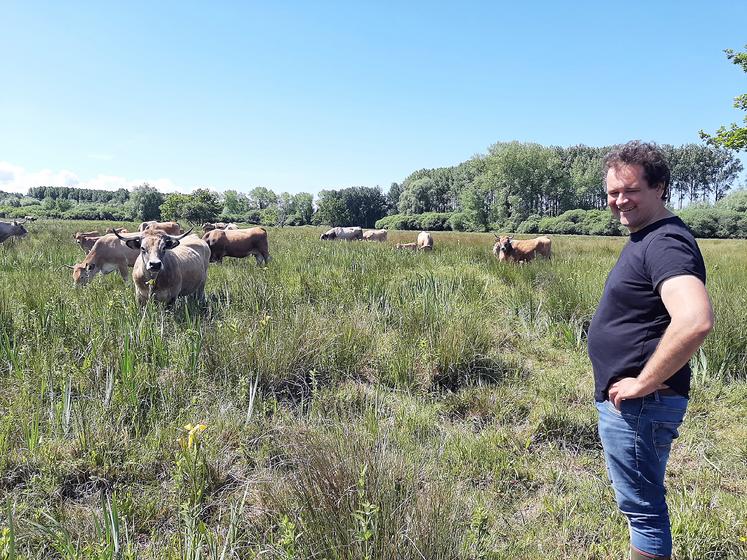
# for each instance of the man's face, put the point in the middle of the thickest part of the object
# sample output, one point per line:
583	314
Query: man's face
631	199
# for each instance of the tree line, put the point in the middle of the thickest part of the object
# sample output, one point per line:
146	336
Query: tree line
515	186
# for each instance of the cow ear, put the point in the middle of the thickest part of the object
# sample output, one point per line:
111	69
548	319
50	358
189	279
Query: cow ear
171	243
133	243
90	266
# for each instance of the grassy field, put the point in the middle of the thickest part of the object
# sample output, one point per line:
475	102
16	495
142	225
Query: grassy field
347	402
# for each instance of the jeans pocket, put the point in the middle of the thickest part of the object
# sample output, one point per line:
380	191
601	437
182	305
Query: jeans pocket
664	433
611	407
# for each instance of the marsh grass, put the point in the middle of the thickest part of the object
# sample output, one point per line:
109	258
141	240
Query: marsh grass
360	403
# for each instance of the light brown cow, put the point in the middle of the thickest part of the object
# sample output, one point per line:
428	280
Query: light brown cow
172	228
117	229
425	241
375	235
86	239
409	246
169	266
107	255
238	243
524	250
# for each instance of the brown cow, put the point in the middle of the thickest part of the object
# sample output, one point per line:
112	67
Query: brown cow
107	255
410	246
172	228
506	249
238	243
169	266
86	239
425	241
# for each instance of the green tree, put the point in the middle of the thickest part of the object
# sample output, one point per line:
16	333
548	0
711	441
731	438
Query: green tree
734	137
145	203
174	207
262	198
235	203
202	206
304	207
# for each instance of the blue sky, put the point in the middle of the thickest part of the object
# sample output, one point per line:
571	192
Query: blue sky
302	96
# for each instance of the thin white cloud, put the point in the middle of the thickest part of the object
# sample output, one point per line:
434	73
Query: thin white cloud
14	178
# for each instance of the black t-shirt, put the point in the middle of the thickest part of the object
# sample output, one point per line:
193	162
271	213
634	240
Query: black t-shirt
631	317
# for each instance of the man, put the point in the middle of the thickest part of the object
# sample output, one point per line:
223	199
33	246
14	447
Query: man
653	315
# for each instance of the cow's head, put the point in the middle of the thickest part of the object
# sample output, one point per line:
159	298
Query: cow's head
152	245
206	227
83	273
503	244
328	235
17	228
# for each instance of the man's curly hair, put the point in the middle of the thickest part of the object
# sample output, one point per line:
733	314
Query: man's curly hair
646	154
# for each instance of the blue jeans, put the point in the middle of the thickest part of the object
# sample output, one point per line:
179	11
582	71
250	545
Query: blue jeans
636	441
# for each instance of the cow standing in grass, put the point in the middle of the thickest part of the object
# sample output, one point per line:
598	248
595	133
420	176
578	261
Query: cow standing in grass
86	239
506	249
238	243
169	266
107	255
425	241
406	246
12	229
345	233
206	227
172	228
375	235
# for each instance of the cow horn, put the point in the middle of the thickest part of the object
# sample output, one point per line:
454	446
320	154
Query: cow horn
183	235
128	237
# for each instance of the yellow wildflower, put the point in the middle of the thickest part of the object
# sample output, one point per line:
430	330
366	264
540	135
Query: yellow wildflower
193	432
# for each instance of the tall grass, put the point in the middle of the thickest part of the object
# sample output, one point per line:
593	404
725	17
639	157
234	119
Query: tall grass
360	403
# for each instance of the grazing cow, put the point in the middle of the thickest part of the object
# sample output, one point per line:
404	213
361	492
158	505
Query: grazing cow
238	243
346	233
107	255
425	241
117	229
375	235
12	229
410	246
169	266
218	225
172	228
86	239
506	249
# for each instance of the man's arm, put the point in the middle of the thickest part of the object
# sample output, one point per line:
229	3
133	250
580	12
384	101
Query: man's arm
688	305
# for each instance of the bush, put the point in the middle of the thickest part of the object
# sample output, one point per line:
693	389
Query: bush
459	221
434	221
530	225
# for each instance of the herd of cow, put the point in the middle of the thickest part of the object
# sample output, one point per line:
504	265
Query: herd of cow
174	263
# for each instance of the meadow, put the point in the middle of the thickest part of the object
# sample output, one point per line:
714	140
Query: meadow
348	401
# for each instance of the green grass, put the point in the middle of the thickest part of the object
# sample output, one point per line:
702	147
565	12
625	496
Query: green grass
360	402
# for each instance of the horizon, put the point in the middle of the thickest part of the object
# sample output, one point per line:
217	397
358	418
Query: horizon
299	98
